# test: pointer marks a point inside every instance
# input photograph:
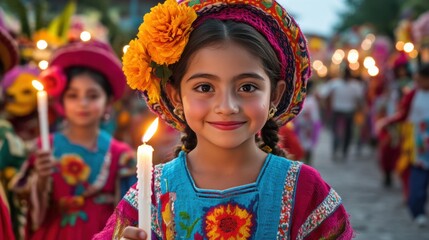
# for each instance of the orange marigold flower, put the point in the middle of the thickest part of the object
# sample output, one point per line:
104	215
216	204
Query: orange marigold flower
74	170
165	31
137	68
228	222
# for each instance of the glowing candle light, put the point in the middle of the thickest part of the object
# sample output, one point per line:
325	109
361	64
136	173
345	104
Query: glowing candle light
42	108
144	179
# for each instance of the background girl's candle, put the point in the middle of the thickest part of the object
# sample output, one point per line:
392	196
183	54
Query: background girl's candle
144	180
42	108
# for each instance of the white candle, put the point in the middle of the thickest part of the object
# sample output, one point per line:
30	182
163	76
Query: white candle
42	108
144	180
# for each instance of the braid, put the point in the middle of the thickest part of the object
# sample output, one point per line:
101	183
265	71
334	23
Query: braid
189	141
270	137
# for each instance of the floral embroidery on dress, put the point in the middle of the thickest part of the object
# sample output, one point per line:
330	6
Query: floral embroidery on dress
287	200
74	170
187	224
70	209
323	211
229	221
167	213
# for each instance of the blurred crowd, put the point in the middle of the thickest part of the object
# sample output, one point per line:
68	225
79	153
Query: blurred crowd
386	111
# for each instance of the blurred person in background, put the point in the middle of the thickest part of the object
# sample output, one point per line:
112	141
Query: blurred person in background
11	146
134	118
72	189
308	124
345	96
414	108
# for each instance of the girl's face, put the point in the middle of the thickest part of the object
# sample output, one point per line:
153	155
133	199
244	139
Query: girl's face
85	101
225	95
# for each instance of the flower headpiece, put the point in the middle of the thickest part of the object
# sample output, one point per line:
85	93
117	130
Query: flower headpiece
160	42
165	32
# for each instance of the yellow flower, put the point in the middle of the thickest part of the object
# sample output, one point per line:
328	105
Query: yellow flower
165	31
74	169
137	68
50	38
229	221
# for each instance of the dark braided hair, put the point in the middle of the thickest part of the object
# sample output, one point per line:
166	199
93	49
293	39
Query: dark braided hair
189	141
270	137
213	32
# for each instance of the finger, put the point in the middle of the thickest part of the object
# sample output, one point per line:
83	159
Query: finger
43	161
44	170
134	233
41	153
44	174
44	165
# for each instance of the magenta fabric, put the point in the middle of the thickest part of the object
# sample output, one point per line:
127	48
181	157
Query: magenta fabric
5	222
98	214
311	191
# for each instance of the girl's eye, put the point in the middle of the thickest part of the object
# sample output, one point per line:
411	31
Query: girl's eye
93	96
70	95
204	88
248	88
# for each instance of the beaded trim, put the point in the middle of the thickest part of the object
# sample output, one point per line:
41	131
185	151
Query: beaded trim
322	212
102	177
287	200
131	198
157	191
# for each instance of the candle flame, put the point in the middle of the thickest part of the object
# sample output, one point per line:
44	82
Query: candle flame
150	131
37	85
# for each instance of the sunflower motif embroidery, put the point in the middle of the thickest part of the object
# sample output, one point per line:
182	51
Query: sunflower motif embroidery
70	207
228	221
74	169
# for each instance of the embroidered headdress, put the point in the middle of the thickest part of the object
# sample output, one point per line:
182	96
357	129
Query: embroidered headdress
93	54
165	31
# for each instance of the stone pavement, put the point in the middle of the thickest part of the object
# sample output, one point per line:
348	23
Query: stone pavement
376	213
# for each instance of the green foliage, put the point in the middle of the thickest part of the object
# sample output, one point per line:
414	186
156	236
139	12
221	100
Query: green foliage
18	7
383	15
417	6
60	24
41	7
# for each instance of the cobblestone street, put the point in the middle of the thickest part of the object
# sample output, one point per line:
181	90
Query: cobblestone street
376	213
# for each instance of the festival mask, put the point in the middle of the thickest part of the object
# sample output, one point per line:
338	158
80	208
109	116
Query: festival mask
21	96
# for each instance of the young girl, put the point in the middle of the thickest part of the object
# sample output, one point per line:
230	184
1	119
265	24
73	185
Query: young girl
239	70
72	189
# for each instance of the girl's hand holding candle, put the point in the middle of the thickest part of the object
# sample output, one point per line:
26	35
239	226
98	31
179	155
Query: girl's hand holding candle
144	180
42	108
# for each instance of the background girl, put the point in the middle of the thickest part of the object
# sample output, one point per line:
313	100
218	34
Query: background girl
73	188
239	70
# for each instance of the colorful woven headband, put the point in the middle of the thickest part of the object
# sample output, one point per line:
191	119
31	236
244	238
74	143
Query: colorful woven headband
149	55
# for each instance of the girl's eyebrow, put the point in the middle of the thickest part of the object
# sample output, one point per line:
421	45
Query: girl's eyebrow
202	75
235	78
88	89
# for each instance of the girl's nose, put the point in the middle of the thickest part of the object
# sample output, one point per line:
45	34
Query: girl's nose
84	101
227	103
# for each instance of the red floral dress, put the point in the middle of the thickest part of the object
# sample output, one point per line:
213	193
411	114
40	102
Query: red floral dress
83	190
